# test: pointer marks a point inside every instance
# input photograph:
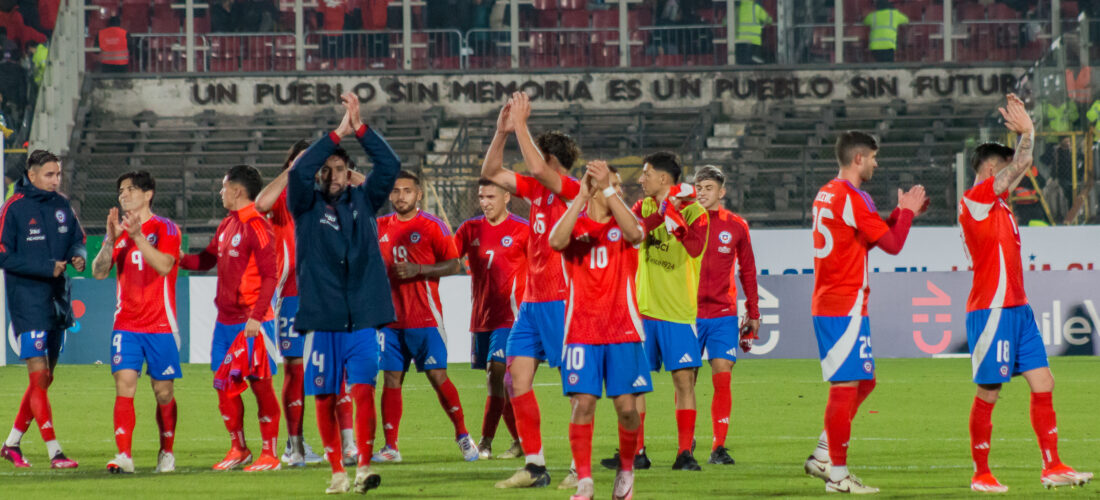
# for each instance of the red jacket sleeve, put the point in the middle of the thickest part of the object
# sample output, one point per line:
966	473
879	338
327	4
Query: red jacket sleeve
648	223
694	236
206	259
263	251
893	240
460	238
747	273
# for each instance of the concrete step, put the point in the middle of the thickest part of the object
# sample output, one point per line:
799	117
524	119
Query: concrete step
723	142
729	129
709	154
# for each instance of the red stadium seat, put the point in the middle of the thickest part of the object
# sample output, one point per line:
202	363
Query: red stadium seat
573	4
605	19
543	42
224	52
259	54
707	16
574	19
638	17
1069	10
605	56
933	13
135	17
573	60
448	62
545	4
548	19
351	64
1001	11
971	12
164	20
202	24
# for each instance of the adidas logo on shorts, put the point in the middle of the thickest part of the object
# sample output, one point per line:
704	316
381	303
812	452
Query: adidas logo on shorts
430	360
685	359
640	382
168	371
499	353
732	352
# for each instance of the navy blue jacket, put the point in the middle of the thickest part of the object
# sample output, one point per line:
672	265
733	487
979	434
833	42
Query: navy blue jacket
342	283
37	228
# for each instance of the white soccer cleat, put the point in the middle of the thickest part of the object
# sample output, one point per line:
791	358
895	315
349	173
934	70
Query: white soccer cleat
351	454
468	448
569	481
339	484
166	462
386	454
585	490
121	464
1064	475
514	451
817	468
849	484
310	456
366	480
624	485
485	449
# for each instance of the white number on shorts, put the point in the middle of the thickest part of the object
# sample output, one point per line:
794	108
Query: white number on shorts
574	358
286	328
318	361
490	263
116	341
381	340
865	347
135	258
1002	351
400	254
540	223
823	213
597	258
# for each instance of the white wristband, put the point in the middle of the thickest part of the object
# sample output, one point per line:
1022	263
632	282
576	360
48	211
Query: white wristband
609	191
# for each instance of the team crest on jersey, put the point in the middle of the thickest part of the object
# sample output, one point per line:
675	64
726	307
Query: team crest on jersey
319	381
725	237
60	214
574	378
614	234
236	241
414	237
116	359
868	367
286	344
39	344
1004	370
506	241
550	199
152	239
228	359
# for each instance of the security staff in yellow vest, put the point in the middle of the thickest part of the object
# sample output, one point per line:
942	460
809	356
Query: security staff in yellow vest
751	19
1093	114
1062	116
884	23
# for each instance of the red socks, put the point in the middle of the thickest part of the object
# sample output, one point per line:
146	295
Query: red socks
580	441
720	408
1046	427
641	431
363	394
40	404
838	422
124	424
391	414
862	391
981	429
628	447
345	410
24	418
494	407
232	409
509	416
166	422
330	433
528	423
293	395
448	398
685	429
268	414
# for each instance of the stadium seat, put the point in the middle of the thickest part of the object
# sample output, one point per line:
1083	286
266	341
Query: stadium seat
971	12
670	60
547	18
933	13
1000	11
545	4
135	17
605	19
573	4
258	54
707	16
164	19
638	17
351	64
202	24
573	59
574	19
448	62
605	56
1069	10
912	9
223	53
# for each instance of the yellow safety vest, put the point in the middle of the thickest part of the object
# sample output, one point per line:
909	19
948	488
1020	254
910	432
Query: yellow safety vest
1094	116
884	28
751	19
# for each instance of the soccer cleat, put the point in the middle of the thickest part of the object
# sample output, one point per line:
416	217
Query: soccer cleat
310	456
295	459
817	468
468	448
530	476
265	462
366	480
485	449
14	455
338	484
166	462
720	456
235	458
641	461
569	481
60	461
684	461
986	483
1064	475
386	454
350	460
624	486
121	464
850	484
586	490
514	451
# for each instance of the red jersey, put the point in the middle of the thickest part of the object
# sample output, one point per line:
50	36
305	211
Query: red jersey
602	306
147	300
846	226
729	248
993	245
545	279
498	265
424	239
244	251
283	225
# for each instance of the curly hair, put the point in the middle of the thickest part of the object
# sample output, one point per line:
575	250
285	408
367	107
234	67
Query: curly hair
560	146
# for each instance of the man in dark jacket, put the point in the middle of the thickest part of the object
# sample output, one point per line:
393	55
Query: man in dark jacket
342	285
39	237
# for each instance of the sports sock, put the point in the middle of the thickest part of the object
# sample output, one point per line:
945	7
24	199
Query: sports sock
641	432
720	408
628	446
232	409
838	472
23	419
166	423
40	405
1046	427
685	429
365	421
508	414
862	391
391	414
452	405
838	423
268	414
981	429
345	417
330	434
822	451
293	396
580	441
528	425
124	424
494	407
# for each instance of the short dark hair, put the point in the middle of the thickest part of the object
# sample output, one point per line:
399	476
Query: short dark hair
114	22
561	146
247	176
987	151
848	142
342	154
710	173
406	174
40	157
666	162
141	179
294	151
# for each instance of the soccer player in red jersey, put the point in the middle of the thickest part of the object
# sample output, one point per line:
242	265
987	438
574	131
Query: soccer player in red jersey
146	250
244	246
603	330
1000	326
728	254
496	245
538	333
418	249
846	226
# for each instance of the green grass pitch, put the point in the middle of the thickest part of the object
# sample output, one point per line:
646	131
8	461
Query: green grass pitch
910	438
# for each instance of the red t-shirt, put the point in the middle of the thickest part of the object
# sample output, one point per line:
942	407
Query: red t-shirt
602	306
498	267
545	279
729	248
283	225
846	226
424	239
993	245
147	300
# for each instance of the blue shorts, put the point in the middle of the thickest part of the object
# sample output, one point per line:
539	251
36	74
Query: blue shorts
426	346
719	336
1004	342
130	350
291	343
224	335
588	369
674	344
336	357
844	345
40	343
539	332
488	346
